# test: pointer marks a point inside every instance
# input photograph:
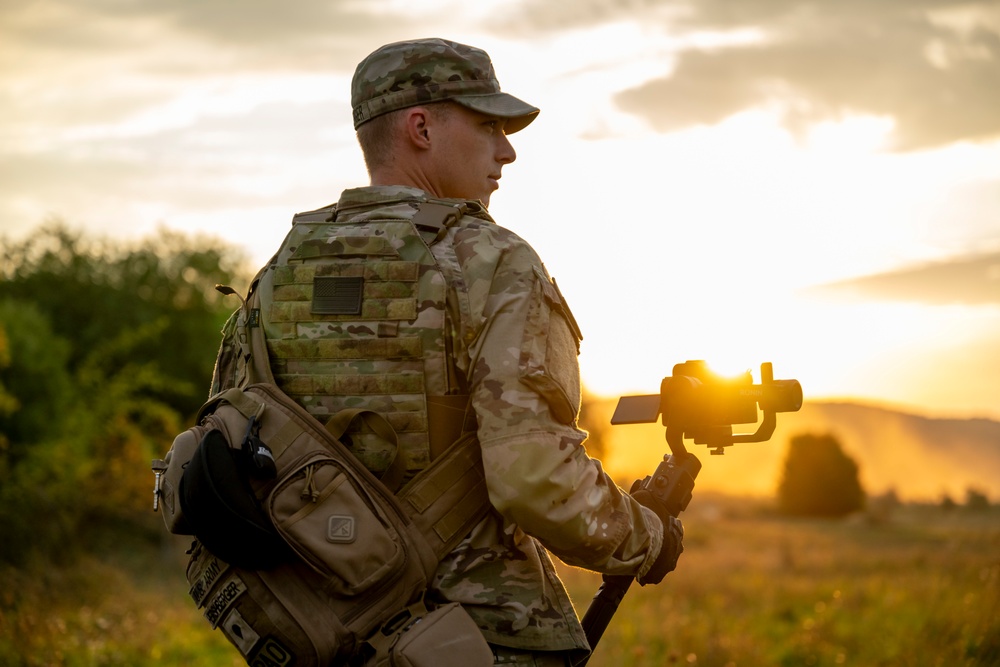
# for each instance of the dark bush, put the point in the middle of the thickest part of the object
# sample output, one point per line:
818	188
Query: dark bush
819	479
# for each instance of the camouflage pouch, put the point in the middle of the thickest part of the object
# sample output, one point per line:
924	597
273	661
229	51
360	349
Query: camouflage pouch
334	524
445	637
549	348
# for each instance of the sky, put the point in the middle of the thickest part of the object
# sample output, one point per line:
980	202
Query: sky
814	184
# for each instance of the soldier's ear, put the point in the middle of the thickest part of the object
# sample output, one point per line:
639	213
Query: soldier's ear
417	125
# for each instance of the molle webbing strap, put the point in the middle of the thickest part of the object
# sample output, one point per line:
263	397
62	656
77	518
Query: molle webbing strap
259	364
247	320
325	214
448	416
447	499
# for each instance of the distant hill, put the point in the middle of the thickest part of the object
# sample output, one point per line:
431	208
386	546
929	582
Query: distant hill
920	458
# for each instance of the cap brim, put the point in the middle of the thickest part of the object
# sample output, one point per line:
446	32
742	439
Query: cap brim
518	113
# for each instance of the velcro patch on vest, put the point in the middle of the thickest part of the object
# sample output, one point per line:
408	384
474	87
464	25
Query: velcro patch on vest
212	570
351	348
272	653
220	603
240	633
337	295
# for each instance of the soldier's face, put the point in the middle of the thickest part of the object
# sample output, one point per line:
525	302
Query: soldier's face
469	151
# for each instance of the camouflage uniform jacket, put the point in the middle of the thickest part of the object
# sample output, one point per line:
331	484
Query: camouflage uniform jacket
514	340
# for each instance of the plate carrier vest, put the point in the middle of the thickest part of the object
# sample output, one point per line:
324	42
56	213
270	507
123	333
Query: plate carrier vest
358	338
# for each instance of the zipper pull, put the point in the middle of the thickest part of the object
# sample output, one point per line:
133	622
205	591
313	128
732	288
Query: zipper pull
159	466
310	491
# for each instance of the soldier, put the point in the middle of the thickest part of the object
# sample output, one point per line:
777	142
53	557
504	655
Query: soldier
434	129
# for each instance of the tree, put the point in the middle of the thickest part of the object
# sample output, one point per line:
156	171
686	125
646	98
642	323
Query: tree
34	377
105	352
8	403
976	499
819	479
96	292
38	474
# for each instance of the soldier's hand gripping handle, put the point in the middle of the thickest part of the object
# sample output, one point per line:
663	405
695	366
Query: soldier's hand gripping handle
667	492
673	540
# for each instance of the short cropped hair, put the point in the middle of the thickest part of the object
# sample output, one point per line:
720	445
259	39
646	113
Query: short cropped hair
377	137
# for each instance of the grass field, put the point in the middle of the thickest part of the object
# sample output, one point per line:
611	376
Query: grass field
921	587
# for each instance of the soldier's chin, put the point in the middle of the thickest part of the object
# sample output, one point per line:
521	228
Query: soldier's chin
485	196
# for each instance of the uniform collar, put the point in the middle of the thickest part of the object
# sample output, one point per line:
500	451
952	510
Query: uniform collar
359	200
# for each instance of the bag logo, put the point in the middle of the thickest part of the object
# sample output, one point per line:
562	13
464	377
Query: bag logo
340	529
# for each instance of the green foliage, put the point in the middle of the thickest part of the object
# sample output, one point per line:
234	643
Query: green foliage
94	292
37	473
36	374
819	479
126	423
8	404
105	354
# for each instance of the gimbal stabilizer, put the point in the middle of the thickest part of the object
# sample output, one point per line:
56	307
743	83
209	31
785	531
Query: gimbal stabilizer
697	404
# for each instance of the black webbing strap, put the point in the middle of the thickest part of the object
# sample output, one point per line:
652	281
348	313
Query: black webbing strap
432	219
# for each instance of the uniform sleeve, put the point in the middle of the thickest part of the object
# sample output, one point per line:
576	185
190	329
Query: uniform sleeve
525	384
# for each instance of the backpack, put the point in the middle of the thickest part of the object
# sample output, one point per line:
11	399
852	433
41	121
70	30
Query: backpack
302	554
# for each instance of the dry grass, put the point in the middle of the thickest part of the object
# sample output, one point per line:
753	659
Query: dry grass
921	588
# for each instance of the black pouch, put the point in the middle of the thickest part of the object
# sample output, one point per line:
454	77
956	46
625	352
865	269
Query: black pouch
224	515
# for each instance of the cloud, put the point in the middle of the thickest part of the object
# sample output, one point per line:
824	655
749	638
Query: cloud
533	17
968	280
69	65
202	36
215	164
932	66
115	113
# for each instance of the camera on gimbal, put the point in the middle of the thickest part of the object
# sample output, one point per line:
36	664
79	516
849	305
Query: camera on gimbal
701	405
696	403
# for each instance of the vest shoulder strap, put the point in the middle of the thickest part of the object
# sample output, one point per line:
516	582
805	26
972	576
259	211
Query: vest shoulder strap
324	214
433	218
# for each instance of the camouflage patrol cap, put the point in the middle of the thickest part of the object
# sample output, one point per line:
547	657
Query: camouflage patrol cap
406	74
